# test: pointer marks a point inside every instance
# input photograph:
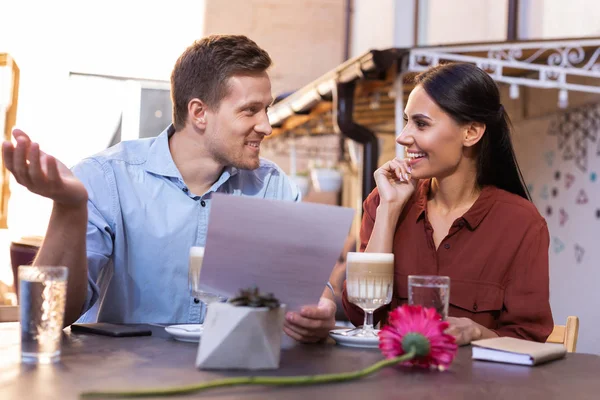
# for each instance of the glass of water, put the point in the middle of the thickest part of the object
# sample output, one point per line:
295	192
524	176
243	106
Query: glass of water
42	298
195	267
430	291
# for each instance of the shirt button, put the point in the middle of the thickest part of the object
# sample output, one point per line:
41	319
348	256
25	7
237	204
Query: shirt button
461	223
474	306
203	203
185	190
196	300
447	246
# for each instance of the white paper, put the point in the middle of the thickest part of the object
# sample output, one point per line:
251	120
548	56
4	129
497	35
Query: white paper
285	248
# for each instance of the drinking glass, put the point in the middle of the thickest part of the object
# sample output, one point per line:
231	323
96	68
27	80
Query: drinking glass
42	298
195	267
430	291
369	285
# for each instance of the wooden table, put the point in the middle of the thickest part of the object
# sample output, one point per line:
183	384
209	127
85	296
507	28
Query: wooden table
91	362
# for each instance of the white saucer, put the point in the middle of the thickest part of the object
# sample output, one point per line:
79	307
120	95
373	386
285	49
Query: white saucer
185	332
354	341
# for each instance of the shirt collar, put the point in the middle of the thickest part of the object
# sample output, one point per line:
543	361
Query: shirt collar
472	217
481	207
227	173
160	161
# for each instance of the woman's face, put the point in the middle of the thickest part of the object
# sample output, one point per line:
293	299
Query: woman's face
434	142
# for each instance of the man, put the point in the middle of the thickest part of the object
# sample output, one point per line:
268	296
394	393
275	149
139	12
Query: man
338	277
123	220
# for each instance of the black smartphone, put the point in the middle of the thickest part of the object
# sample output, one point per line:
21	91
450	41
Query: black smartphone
114	330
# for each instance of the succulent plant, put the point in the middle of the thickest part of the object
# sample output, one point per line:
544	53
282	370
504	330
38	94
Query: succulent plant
252	297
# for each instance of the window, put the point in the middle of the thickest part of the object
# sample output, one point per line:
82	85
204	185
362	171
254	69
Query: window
551	19
465	21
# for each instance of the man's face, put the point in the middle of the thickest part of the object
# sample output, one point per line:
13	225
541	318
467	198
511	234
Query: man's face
236	128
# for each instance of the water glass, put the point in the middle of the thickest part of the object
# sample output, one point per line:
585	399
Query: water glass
42	299
430	291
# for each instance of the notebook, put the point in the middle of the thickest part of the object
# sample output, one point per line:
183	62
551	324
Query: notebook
516	351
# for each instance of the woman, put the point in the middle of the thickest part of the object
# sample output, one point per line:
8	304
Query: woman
457	206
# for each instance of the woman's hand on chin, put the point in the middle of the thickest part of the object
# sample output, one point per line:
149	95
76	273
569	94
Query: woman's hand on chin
395	182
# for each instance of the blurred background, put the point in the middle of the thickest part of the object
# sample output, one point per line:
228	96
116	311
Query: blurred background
81	76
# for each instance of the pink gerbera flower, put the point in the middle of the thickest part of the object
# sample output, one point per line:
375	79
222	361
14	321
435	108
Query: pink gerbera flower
419	328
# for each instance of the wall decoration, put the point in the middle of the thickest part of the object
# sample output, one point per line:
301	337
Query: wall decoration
581	197
579	252
568	153
549	157
545	193
573	215
563	216
581	153
557	245
569	180
575	131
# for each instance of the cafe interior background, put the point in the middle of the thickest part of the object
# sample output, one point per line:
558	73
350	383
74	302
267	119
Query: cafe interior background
79	77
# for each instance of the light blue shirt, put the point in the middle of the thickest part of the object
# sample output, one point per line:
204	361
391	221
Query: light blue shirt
142	221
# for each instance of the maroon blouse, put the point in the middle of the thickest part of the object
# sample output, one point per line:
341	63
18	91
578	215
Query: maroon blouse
496	256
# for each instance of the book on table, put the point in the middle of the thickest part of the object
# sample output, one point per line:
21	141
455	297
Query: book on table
516	351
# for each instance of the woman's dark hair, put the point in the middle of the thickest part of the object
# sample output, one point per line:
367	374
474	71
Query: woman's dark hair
469	94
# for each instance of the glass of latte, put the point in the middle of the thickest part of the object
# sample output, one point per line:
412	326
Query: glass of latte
195	267
369	285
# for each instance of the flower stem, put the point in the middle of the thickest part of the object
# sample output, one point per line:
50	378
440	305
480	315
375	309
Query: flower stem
258	380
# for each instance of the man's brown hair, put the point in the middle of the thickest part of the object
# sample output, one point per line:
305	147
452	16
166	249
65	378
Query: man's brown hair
204	67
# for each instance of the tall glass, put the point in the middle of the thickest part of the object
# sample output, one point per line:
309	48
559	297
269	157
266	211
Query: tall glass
369	285
430	291
42	298
195	267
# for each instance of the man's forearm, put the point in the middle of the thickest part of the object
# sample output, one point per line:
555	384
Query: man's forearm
64	245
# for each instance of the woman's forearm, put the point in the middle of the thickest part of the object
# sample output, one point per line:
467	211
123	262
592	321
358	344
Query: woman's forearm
382	236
